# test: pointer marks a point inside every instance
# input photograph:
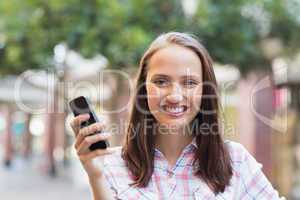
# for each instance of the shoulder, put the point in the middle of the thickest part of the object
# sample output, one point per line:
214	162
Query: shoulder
115	170
114	164
115	159
236	151
248	181
241	158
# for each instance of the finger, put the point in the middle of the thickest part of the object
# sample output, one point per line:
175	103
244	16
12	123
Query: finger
94	128
89	140
77	121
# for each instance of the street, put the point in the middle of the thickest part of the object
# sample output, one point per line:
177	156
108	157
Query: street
25	181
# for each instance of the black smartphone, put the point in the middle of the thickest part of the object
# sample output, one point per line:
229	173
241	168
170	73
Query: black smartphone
81	105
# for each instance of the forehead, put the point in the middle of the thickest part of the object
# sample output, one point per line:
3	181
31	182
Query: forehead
175	60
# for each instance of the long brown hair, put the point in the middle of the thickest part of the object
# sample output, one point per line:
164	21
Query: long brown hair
212	160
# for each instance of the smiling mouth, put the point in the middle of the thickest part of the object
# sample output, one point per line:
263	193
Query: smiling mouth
174	110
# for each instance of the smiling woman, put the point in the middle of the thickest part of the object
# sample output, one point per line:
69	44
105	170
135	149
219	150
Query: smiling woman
174	85
177	76
175	150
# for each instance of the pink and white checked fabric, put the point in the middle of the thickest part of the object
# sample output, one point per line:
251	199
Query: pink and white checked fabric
178	183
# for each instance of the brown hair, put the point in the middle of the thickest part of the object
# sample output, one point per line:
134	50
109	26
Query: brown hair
212	161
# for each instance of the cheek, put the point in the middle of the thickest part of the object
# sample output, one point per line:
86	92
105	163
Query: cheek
195	98
153	96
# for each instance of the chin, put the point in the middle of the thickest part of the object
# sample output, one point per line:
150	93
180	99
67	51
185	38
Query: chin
179	122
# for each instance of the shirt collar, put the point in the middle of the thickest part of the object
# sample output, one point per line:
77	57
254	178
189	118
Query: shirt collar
194	143
191	146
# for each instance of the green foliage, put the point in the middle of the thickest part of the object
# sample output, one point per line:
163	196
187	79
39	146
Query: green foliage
122	29
233	30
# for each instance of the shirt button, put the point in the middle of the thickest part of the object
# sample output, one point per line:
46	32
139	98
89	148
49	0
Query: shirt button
170	174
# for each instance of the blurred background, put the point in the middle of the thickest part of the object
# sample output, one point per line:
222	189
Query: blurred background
52	51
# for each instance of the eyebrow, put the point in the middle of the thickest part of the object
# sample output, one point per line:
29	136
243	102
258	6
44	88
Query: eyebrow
182	77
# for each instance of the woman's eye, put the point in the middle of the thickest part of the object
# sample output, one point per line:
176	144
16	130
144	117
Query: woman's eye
161	82
190	83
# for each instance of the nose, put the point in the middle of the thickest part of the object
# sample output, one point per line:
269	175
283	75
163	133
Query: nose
175	95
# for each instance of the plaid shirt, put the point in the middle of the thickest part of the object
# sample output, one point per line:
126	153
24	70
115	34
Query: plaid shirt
179	182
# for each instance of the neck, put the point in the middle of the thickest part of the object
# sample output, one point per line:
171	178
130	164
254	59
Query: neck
172	144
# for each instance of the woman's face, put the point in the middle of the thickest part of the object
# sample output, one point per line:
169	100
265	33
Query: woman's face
174	85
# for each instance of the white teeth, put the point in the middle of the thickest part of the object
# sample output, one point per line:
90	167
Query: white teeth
174	109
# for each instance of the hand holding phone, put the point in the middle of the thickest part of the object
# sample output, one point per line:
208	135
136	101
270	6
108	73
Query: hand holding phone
79	106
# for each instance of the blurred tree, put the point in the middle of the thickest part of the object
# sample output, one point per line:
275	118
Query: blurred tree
121	29
235	32
118	29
